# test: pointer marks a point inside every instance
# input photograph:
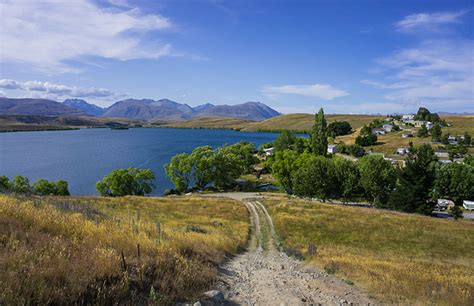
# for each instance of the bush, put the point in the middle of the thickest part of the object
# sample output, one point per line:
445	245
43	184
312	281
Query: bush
130	181
339	128
44	187
315	178
21	185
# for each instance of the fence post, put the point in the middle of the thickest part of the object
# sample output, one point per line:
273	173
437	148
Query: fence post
311	249
158	230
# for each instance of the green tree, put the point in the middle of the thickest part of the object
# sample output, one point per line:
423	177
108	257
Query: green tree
44	187
366	137
228	166
4	184
348	179
339	128
62	188
283	168
245	151
21	185
129	181
203	161
467	139
445	139
469	160
315	178
180	170
436	132
319	135
455	181
416	181
285	140
423	131
377	177
456	212
302	145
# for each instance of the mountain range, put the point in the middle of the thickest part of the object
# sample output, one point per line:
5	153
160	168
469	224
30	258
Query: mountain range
143	109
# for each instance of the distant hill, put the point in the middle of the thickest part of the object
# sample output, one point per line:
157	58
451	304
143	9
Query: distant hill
39	123
88	108
41	107
250	111
165	109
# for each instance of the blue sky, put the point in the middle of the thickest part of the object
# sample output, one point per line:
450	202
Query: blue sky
296	56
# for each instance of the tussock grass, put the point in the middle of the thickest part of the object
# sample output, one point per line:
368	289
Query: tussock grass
66	250
396	257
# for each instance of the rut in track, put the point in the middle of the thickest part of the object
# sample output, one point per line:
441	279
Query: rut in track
266	276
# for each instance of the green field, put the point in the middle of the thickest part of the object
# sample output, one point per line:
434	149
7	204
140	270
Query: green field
398	258
90	250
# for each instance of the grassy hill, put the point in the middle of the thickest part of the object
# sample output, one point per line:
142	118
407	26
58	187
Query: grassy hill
90	250
210	123
388	143
398	258
295	122
14	123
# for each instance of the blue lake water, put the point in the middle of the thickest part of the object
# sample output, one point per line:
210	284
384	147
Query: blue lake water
82	157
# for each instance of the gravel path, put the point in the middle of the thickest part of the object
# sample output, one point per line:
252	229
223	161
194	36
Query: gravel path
265	276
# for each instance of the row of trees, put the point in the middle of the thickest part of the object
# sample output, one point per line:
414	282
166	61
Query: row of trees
308	172
412	188
206	167
21	185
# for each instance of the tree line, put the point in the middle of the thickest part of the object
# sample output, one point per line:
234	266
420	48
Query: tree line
21	185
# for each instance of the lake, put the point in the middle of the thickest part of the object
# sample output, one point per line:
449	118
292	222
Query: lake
83	157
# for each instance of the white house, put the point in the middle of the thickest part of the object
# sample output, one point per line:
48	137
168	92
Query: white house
378	131
268	151
452	140
332	149
443	204
444	161
408	117
442	154
403	151
429	125
387	127
469	205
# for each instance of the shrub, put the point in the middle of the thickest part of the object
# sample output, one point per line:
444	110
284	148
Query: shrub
130	181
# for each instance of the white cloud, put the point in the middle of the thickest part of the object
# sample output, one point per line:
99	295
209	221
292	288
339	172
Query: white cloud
428	21
47	90
436	73
322	91
47	35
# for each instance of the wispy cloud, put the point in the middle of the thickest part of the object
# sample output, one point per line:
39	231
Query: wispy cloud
428	21
322	91
54	91
437	73
48	35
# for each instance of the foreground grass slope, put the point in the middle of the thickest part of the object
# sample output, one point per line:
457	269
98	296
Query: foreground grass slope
398	258
67	250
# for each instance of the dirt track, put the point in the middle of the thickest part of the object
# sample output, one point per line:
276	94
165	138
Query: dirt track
265	276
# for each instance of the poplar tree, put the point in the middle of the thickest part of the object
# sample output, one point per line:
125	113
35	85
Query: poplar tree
319	134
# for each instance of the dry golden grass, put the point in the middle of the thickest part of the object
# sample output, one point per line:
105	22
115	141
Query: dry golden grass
304	122
396	257
389	143
66	250
210	123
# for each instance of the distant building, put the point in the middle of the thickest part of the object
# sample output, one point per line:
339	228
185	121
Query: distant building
469	205
407	135
445	161
268	151
443	204
387	127
442	153
429	125
408	117
332	149
403	151
378	131
452	139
